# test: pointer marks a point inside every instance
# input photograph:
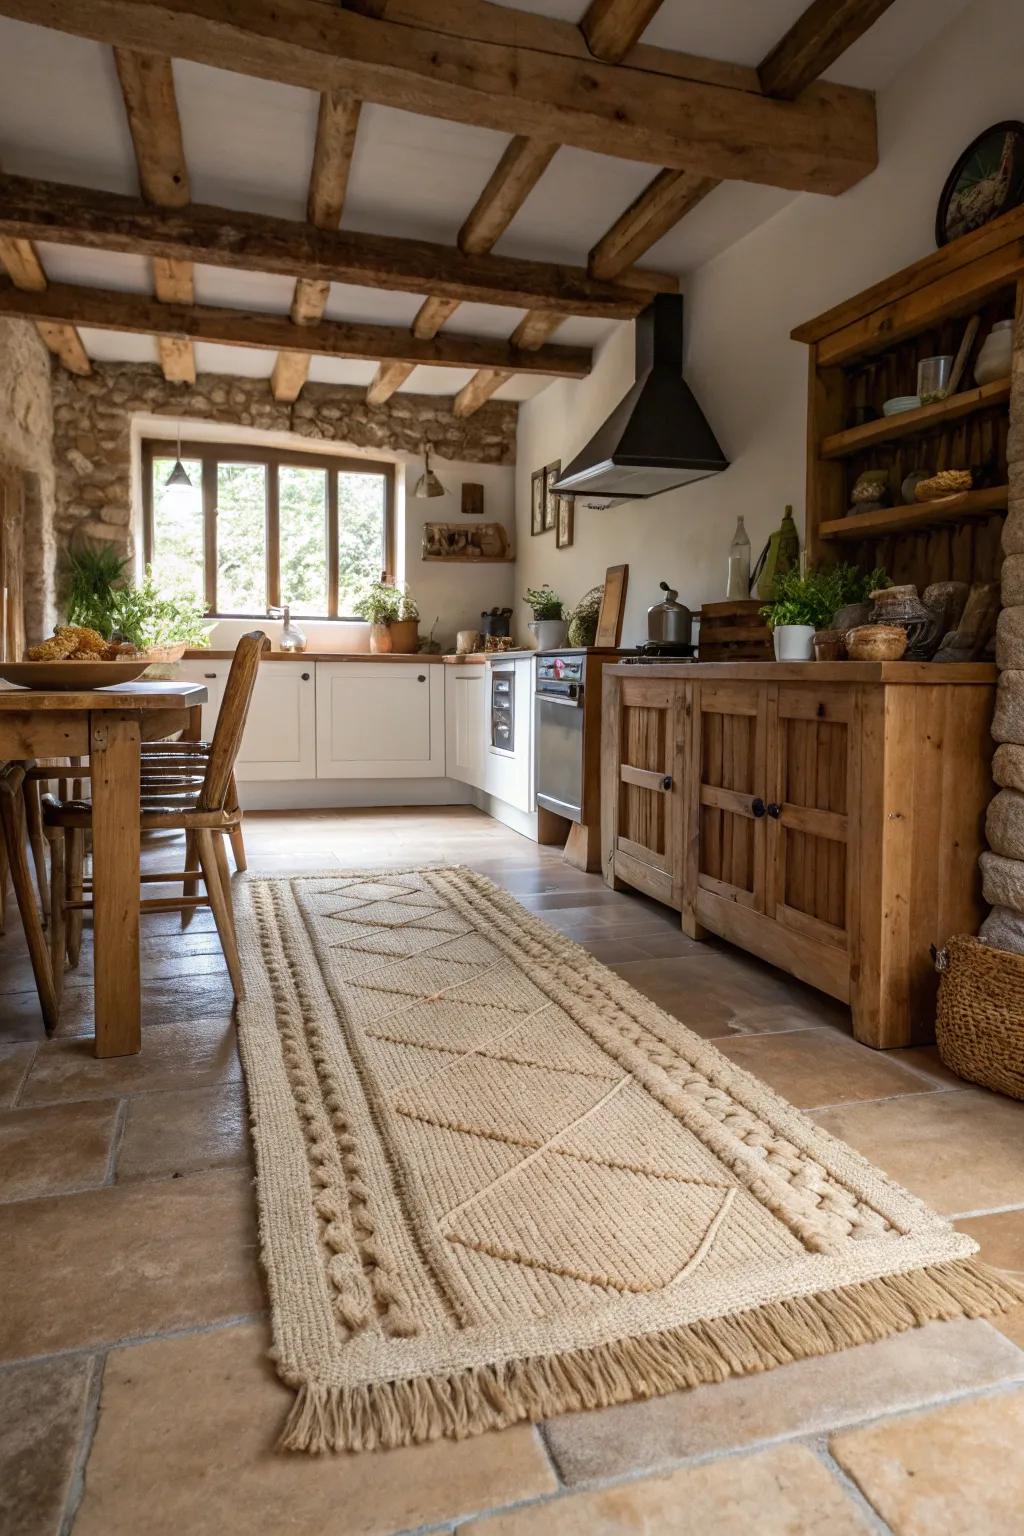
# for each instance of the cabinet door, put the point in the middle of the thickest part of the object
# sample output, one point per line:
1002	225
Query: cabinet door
729	805
379	720
280	733
810	777
465	722
646	788
213	675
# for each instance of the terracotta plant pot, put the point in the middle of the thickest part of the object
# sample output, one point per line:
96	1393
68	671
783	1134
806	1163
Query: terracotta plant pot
876	642
829	645
380	639
405	635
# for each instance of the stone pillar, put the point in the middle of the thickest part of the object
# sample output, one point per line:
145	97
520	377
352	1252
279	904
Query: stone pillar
1003	866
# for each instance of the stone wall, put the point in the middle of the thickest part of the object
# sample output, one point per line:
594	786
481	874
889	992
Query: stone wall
26	442
92	431
1003	866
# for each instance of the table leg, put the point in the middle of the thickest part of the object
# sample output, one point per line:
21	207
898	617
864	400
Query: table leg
114	753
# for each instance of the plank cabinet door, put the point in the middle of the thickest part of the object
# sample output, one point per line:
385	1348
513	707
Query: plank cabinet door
728	804
646	786
811	774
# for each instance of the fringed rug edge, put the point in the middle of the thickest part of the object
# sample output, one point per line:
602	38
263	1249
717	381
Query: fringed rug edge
386	1414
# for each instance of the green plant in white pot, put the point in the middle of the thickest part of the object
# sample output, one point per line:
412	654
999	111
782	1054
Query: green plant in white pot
381	606
547	626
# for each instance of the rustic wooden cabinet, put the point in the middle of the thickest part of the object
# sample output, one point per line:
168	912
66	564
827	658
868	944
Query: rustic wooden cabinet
827	817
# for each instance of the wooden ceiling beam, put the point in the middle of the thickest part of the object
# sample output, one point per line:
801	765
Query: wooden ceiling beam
337	122
224	237
138	313
532	84
611	27
26	272
147	85
513	179
815	40
658	208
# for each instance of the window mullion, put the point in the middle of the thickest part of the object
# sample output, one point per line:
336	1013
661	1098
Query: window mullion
209	479
332	544
273	537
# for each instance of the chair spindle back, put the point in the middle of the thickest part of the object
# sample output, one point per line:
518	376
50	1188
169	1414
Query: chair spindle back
234	710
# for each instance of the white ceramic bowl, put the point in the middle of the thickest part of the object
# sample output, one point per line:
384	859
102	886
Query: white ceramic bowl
900	403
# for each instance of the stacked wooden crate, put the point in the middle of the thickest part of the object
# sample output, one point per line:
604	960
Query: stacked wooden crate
734	631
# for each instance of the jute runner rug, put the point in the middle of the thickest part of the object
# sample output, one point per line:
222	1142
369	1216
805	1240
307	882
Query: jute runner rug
495	1183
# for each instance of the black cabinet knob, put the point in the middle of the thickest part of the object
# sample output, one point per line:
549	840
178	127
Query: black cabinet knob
774	811
211	675
422	677
757	807
305	677
666	782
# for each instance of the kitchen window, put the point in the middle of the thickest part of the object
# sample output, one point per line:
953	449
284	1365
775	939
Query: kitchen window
257	527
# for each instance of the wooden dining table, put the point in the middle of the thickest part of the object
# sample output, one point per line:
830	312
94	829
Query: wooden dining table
107	725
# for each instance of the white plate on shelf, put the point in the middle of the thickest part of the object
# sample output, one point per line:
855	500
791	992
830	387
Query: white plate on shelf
900	403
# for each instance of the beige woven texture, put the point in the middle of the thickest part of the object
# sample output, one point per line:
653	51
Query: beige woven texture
496	1183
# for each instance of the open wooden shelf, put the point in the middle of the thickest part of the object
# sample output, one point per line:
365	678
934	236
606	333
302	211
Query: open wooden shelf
923	514
889	429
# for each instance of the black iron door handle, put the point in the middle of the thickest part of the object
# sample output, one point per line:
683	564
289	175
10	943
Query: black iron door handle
666	782
757	807
774	811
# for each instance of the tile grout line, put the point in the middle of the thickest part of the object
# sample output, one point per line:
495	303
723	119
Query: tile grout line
132	1341
120	1122
24	1076
87	1434
819	1449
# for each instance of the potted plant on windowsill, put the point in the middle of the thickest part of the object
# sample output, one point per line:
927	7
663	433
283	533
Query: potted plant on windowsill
547	626
393	618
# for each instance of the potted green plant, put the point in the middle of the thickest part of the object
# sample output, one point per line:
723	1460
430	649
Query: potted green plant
547	626
805	602
381	606
405	630
159	624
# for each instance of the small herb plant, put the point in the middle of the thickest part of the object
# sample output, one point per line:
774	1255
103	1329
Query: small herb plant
381	604
544	603
409	609
815	596
150	619
93	572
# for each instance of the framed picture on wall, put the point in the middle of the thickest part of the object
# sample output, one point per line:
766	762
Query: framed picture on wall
564	524
537	501
551	497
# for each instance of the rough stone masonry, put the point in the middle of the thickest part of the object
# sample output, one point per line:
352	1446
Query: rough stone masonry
1003	865
92	431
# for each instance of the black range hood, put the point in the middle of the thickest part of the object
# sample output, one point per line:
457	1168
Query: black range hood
657	437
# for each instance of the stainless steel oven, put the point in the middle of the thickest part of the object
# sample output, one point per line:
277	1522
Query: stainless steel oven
503	706
558	696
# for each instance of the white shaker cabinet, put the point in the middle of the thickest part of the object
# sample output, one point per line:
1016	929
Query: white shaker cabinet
467	719
379	720
280	733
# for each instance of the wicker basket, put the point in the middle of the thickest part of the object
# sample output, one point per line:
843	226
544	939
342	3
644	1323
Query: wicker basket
980	1022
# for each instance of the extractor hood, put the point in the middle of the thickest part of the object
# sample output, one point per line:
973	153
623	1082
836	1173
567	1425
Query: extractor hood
657	437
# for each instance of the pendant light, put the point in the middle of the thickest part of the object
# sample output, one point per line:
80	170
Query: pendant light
178	476
428	484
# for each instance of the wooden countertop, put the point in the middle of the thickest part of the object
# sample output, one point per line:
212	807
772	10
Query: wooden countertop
395	656
818	671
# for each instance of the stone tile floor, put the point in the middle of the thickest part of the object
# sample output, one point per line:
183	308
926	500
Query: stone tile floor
135	1393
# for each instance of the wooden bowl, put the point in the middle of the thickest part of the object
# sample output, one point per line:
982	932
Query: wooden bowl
876	642
70	676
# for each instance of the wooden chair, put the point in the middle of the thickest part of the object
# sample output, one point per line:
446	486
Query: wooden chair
14	829
179	791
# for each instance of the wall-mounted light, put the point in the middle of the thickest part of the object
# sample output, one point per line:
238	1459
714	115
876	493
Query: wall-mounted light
428	484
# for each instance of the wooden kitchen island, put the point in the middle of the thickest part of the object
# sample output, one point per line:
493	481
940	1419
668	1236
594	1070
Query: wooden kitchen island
826	816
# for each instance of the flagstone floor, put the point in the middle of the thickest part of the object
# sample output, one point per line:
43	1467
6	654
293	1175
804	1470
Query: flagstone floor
135	1393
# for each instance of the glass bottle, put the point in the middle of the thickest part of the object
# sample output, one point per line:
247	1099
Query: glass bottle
738	583
293	637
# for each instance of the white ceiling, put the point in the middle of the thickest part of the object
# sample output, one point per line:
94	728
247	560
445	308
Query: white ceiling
249	145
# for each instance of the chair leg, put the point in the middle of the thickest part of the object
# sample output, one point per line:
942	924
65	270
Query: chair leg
238	849
3	885
74	873
12	823
220	902
58	916
37	842
189	887
221	855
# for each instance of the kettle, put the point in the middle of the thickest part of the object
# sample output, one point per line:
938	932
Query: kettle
669	622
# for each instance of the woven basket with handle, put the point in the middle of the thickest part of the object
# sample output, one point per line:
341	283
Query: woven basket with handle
979	1026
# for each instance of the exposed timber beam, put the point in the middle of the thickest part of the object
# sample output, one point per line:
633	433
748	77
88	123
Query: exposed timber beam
815	40
22	262
223	237
513	179
114	311
481	64
147	85
657	209
336	127
611	27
